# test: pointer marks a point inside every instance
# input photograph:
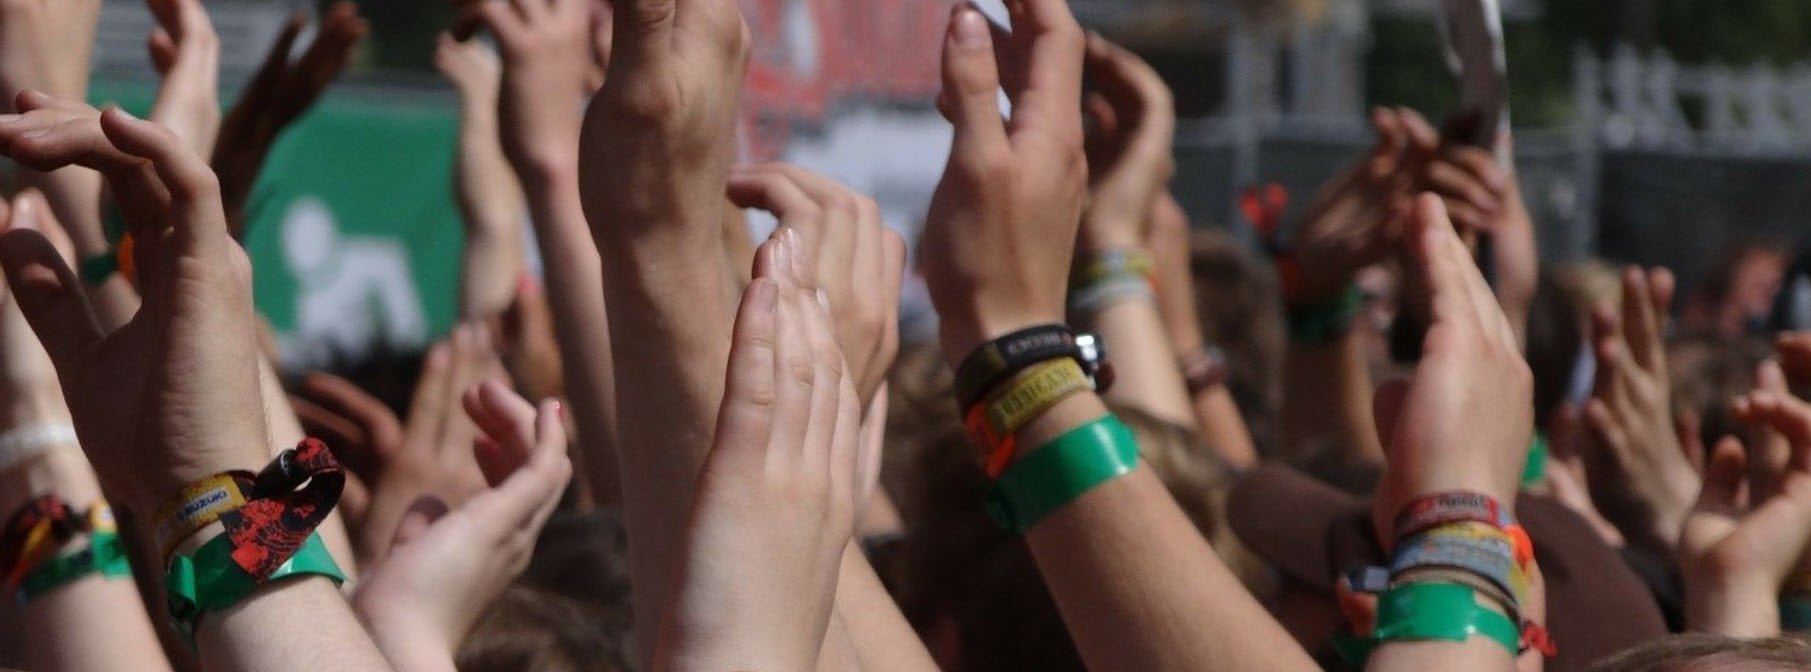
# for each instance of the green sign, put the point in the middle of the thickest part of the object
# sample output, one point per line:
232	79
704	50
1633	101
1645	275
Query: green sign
354	236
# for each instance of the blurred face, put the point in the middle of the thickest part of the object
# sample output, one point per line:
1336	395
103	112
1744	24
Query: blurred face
1755	283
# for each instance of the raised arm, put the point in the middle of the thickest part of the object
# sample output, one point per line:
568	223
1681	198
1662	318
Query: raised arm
657	144
81	609
490	198
281	92
1137	586
547	58
171	398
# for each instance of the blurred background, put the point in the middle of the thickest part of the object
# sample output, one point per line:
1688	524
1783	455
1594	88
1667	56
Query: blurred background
1657	131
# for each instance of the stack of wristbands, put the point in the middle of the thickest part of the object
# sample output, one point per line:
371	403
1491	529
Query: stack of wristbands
39	553
1108	277
269	520
1010	381
1452	550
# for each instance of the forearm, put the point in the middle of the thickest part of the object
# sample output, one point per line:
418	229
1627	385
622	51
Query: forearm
491	202
679	293
96	622
1733	608
1476	654
1146	376
1327	402
882	638
1138	586
295	624
74	194
1223	427
581	324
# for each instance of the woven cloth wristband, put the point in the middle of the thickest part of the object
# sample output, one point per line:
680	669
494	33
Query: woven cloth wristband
280	511
32	536
1113	264
995	422
1323	323
1459	506
199	505
104	555
1431	612
211	579
1061	471
1485	552
1097	296
1002	358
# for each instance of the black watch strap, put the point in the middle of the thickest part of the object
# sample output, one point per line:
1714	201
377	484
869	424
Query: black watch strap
1004	357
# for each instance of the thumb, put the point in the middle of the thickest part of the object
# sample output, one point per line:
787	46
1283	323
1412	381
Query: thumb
1723	476
48	292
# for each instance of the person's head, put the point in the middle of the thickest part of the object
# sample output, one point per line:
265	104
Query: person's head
1738	290
1559	323
1699	652
971	588
533	629
1237	298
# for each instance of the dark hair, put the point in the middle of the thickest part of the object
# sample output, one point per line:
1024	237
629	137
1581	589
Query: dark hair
1697	651
1240	307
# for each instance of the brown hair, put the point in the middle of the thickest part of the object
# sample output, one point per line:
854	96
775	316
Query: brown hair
1240	307
533	629
958	570
1703	652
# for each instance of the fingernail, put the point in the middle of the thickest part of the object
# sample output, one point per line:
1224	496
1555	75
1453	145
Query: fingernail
559	409
823	300
782	253
970	28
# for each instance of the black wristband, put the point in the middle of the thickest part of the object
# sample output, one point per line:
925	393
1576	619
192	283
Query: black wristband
1004	357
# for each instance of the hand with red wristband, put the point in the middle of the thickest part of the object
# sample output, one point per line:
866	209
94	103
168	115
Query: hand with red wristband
39	457
397	465
1640	474
1444	430
860	262
449	562
172	397
776	498
278	95
1750	530
1002	225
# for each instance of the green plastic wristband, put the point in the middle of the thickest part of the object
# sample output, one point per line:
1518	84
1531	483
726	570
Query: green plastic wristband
1535	468
1323	323
1432	612
1060	471
96	269
1795	613
209	580
104	555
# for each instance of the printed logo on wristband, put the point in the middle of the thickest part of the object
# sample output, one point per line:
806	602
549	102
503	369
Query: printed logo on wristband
199	506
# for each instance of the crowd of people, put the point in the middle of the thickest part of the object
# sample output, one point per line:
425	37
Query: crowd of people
1390	440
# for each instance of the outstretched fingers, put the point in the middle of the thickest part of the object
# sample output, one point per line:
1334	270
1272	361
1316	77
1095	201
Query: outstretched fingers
751	388
971	84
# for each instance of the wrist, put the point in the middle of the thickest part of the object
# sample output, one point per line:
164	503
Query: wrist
63	471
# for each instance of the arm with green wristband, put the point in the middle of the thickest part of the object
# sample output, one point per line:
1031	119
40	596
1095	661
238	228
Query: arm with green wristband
1137	585
172	397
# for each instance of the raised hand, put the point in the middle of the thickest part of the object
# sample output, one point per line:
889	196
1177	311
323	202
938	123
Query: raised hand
1356	219
547	46
1444	431
278	95
445	567
173	395
776	499
186	53
426	462
1002	224
860	262
1737	547
1128	146
1467	178
659	136
1640	475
